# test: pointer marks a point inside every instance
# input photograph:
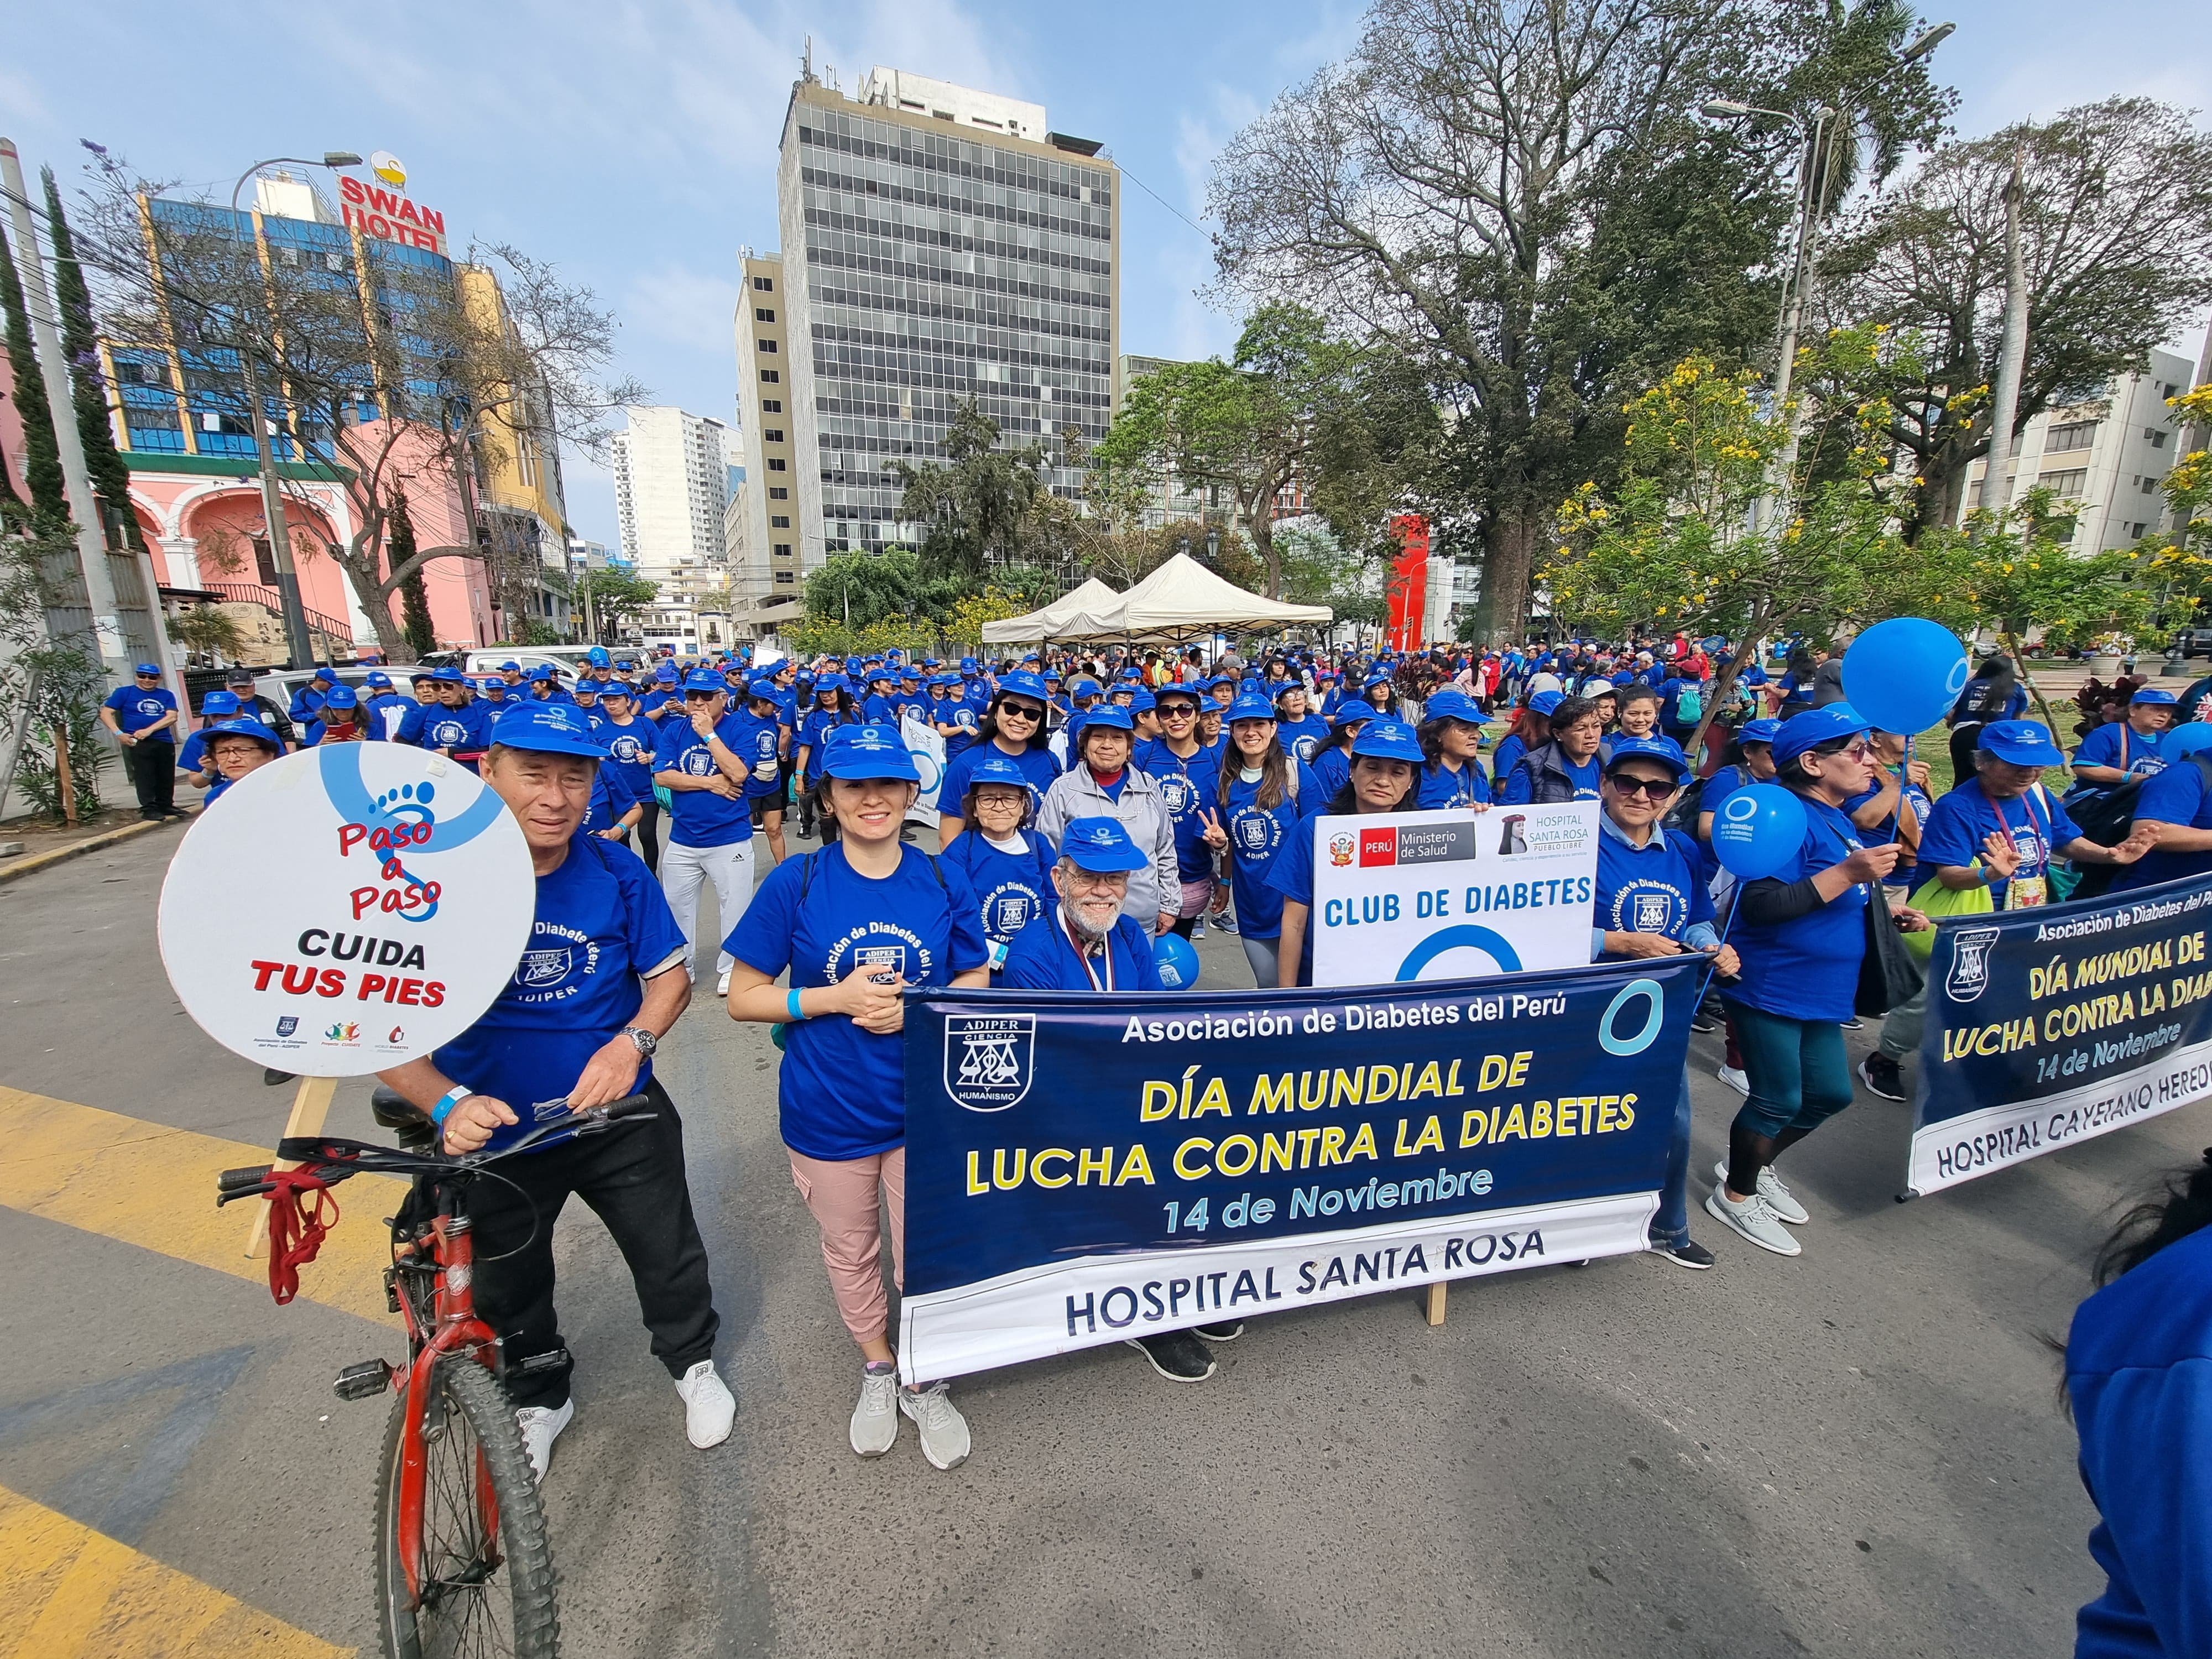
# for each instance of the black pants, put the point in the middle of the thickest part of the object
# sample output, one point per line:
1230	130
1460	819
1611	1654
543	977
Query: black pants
152	770
632	1175
648	834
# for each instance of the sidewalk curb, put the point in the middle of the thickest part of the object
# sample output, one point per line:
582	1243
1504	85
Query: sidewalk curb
17	868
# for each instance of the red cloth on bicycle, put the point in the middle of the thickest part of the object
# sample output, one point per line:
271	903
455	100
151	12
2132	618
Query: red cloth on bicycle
296	1231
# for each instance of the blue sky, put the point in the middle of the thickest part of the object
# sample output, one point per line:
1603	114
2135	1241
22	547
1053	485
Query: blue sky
633	144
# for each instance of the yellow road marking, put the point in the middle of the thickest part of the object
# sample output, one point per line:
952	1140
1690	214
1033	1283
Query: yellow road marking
153	1186
72	1593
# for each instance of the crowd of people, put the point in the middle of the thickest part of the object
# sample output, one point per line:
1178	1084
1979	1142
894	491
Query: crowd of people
1092	803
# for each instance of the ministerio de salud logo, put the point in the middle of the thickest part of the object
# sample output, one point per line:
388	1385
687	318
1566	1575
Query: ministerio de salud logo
989	1060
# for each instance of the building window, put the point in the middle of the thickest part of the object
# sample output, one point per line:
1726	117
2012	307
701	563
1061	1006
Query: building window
779	521
778	493
2150	486
766	345
2070	434
771	405
2157	438
783	550
772	435
2069	483
769	377
776	464
785	576
764	284
763	314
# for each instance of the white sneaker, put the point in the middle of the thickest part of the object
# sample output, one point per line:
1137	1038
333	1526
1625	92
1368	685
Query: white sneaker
1754	1219
876	1418
944	1430
1779	1199
709	1407
1733	1076
722	984
541	1427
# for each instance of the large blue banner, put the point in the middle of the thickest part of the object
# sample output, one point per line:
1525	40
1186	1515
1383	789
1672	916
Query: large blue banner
1085	1168
2051	1025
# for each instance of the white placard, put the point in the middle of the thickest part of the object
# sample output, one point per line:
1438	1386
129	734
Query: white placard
1452	894
926	745
346	909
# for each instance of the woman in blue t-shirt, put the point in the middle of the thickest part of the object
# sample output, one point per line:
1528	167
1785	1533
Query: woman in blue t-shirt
1451	737
1800	934
853	923
1012	730
1007	863
1386	766
1262	793
629	738
833	707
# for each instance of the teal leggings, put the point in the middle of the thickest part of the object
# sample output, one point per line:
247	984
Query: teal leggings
1798	1075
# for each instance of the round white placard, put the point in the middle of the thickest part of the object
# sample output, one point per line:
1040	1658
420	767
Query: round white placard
347	908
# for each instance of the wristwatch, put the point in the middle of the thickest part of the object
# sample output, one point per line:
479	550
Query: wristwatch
645	1040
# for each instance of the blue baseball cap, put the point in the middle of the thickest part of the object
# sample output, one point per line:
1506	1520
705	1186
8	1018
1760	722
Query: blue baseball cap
869	751
1449	704
1143	703
510	668
380	680
449	675
763	687
324	672
1758	731
1084	686
881	672
2153	694
1229	680
1352	713
1189	694
1250	706
1384	738
617	688
244	726
2020	743
219	702
1653	749
154	669
1113	715
544	671
1814	727
491	685
1544	702
997	769
704	679
421	674
1023	684
585	688
665	674
550	728
1378	678
1131	673
597	656
1100	844
340	697
969	664
909	672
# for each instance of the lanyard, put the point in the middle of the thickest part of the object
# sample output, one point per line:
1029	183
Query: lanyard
2041	835
1105	950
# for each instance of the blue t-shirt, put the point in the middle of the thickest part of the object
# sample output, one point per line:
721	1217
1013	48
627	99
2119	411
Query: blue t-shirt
1725	783
2139	1375
135	710
1303	736
1332	770
1043	958
192	756
703	817
611	797
1441	787
2177	795
630	749
758	748
2125	750
601	923
1013	888
1502	759
960	714
1672	718
1887	831
1291	877
841	1092
1037	765
1189	789
1257	837
814	731
1656	888
2036	822
384	711
1808	968
433	726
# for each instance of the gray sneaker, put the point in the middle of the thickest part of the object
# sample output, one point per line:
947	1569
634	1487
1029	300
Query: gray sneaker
1779	1198
875	1420
944	1430
1754	1219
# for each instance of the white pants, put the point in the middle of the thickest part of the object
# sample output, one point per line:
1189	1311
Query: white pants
730	867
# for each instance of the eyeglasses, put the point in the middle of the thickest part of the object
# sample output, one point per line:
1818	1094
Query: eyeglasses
1022	710
1178	711
1657	788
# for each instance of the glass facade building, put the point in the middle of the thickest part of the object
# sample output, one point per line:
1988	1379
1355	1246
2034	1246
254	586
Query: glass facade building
927	263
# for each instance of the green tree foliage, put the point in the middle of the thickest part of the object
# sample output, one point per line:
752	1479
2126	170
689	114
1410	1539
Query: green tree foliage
42	458
1319	569
2115	223
110	479
54	689
616	596
973	509
415	626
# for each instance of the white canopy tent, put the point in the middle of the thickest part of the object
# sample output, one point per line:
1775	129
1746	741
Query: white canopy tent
1182	600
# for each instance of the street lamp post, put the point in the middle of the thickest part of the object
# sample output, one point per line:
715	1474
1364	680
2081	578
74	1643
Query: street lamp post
298	641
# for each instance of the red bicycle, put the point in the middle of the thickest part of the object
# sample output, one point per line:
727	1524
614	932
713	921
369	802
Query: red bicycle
463	1567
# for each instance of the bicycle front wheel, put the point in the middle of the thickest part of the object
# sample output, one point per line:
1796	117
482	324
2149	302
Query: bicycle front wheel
487	1571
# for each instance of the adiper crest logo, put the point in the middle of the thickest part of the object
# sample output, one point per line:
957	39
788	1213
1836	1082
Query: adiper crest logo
989	1060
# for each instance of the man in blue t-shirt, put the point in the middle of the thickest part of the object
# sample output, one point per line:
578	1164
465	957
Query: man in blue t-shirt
700	759
2121	750
454	725
597	987
142	715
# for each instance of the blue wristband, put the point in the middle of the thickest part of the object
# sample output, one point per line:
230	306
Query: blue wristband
452	1098
791	1006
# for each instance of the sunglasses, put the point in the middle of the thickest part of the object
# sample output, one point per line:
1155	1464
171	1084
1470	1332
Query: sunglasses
1178	711
1028	711
1655	788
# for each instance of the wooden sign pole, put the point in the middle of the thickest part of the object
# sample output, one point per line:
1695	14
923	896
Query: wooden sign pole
1436	1302
310	1104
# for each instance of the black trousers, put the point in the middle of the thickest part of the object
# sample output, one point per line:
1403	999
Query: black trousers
648	844
152	770
632	1175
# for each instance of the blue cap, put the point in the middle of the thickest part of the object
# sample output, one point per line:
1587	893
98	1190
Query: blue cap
154	669
1758	731
909	672
1814	727
588	688
340	697
1023	684
853	665
1250	706
492	686
245	726
2152	694
1654	748
421	674
665	674
997	769
1185	693
1544	702
830	682
1114	716
868	751
1084	686
449	675
219	702
881	672
763	687
624	664
322	671
1229	680
597	656
2021	742
1449	704
510	668
1143	703
380	680
1100	844
704	679
1131	673
550	728
1384	738
544	671
1378	678
617	688
1352	713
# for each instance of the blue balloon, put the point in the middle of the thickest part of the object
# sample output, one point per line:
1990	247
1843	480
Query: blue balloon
1178	961
2185	740
1904	674
1758	830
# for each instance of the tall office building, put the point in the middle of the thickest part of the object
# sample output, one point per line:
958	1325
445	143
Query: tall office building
940	244
764	562
672	486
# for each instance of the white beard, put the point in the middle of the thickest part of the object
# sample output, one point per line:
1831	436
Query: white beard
1083	929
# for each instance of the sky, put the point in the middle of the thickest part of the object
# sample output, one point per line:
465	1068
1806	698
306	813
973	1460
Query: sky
632	143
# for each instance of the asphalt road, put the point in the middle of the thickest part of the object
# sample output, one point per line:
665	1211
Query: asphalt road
1858	1451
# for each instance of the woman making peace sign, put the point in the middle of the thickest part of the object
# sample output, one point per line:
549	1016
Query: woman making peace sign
1263	794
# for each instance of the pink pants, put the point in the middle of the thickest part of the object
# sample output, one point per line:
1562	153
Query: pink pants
842	1197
